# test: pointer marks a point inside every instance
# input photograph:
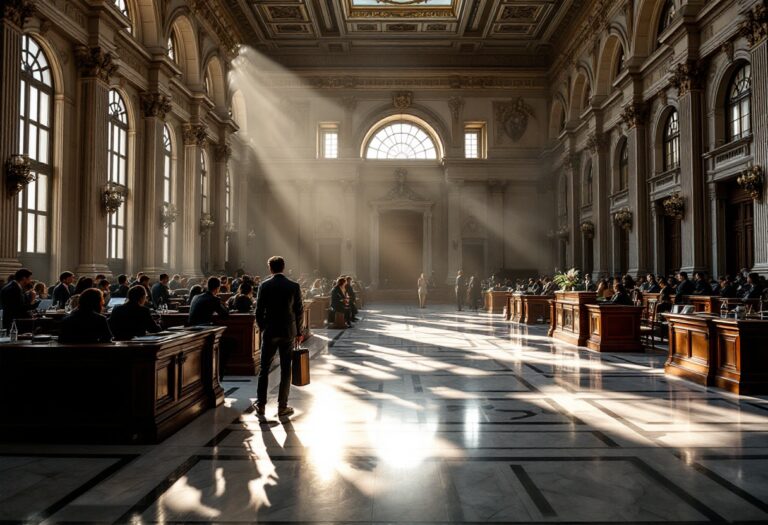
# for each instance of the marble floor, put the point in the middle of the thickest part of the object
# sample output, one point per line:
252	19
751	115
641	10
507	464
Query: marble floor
428	416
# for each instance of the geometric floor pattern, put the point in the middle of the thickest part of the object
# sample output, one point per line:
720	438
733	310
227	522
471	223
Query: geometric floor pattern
427	416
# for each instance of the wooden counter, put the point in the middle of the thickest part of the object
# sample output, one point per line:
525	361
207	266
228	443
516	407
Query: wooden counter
241	345
127	392
691	353
614	328
711	304
516	307
741	355
318	311
495	301
569	317
534	307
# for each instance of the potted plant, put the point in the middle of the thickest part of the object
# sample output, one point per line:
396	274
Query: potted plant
623	218
567	281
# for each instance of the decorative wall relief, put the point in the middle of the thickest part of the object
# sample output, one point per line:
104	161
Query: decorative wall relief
402	99
511	119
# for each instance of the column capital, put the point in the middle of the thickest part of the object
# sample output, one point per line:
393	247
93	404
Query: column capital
17	11
572	162
194	134
94	62
155	105
634	114
223	152
755	25
597	142
686	76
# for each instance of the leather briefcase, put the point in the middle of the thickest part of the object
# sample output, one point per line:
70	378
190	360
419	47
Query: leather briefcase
300	367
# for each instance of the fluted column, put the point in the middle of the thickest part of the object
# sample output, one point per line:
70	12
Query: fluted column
597	144
687	79
222	153
96	68
495	227
189	190
13	15
154	108
755	28
573	255
454	229
634	116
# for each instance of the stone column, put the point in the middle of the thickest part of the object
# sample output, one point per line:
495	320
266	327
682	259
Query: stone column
221	154
686	79
454	230
427	244
155	107
347	149
598	147
13	15
573	257
349	229
374	240
96	68
189	190
305	230
717	210
495	226
755	29
634	116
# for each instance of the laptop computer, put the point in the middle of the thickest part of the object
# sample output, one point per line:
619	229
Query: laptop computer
44	304
116	301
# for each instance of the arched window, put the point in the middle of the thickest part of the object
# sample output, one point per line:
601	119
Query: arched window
668	14
207	85
739	104
401	140
623	166
205	205
588	185
36	111
619	62
671	142
122	6
117	169
227	210
587	97
173	47
167	190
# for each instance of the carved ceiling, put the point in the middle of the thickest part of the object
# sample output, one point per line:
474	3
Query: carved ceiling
372	33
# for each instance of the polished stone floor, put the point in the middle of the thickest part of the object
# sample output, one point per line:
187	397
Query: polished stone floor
428	416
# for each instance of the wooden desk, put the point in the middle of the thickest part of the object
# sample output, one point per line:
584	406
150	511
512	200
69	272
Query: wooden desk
741	355
495	300
614	328
569	317
533	308
711	304
241	342
128	392
516	307
318	311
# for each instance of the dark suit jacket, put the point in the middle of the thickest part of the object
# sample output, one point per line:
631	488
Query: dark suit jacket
621	298
461	283
121	291
203	307
14	304
279	308
61	295
684	288
337	300
84	327
752	291
728	291
160	294
352	295
130	320
240	303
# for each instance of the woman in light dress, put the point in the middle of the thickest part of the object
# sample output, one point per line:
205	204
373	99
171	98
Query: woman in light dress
422	286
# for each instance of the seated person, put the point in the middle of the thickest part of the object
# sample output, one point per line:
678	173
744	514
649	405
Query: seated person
339	300
727	288
104	287
604	290
63	290
175	283
650	285
133	318
588	285
352	298
317	289
121	290
242	302
753	289
684	288
701	284
194	292
86	325
664	303
204	305
160	294
620	295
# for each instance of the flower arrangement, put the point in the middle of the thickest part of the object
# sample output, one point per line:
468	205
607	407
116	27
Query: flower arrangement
674	206
206	222
18	173
752	181
567	280
588	229
168	214
623	218
113	197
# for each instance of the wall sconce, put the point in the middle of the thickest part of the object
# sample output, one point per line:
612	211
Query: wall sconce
18	173
113	196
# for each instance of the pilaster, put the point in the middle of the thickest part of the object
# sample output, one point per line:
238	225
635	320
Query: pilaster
221	155
496	225
634	116
598	147
349	246
96	68
194	136
573	166
454	229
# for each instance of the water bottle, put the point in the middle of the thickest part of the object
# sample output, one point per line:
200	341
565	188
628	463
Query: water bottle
14	333
724	310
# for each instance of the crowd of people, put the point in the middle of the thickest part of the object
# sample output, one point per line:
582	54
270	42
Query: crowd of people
139	298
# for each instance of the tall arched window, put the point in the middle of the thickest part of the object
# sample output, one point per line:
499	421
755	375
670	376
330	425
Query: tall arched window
739	104
619	62
401	140
167	190
623	166
122	6
36	110
205	205
588	185
172	47
668	14
671	142
117	169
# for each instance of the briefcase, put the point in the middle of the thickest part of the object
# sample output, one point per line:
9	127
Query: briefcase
300	367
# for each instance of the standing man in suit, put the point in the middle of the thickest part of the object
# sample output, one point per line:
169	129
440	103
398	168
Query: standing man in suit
13	299
279	311
63	291
461	290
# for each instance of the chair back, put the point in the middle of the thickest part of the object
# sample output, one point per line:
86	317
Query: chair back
684	309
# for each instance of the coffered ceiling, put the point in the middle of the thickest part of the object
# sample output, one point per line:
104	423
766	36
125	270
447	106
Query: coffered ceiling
403	33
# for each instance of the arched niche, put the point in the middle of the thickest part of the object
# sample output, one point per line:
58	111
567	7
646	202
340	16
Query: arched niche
607	65
218	86
579	91
188	54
